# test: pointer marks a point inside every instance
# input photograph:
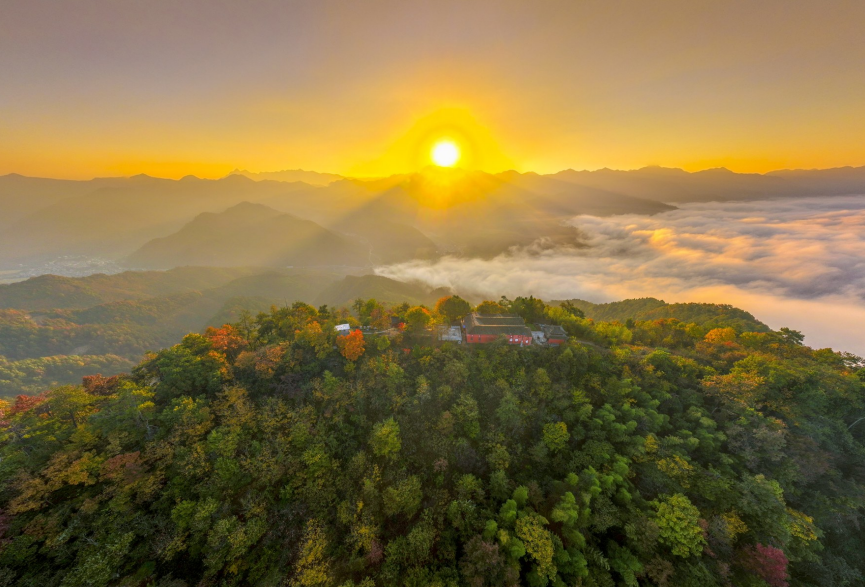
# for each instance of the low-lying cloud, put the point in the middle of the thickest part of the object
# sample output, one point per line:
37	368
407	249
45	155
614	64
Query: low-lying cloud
796	262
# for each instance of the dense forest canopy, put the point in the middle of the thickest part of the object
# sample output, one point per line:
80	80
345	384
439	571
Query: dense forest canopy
55	329
272	452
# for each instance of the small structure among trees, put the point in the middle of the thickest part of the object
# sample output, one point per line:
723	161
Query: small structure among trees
450	334
554	334
485	328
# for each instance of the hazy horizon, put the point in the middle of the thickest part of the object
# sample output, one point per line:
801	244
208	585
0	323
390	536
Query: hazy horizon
107	88
266	172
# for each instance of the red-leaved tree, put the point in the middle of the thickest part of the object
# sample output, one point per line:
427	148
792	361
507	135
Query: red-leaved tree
227	340
768	563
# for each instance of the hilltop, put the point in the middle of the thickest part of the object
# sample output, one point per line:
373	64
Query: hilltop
274	452
53	329
711	315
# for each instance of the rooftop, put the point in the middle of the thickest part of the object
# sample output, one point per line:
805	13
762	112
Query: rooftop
496	324
554	330
497	319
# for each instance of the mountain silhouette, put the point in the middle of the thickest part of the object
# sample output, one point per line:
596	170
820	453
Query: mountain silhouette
404	216
250	235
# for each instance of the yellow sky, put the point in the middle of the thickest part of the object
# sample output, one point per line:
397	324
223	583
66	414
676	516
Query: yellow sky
363	89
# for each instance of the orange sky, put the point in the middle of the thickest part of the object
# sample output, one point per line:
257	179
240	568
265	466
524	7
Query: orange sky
201	87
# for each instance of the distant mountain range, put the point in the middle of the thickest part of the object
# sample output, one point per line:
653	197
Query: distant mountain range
678	186
327	220
310	177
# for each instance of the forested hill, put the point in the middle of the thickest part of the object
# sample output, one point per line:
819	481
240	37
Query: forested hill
653	309
55	329
54	292
271	452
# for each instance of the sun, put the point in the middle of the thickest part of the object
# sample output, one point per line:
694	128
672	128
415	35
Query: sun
445	153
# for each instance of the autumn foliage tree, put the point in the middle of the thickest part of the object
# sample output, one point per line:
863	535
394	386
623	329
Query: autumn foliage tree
768	563
351	346
227	340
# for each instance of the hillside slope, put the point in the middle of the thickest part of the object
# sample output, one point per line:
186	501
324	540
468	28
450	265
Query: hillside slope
653	309
275	453
53	292
131	326
382	289
250	235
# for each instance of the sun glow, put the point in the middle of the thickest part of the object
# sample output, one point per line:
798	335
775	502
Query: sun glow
445	153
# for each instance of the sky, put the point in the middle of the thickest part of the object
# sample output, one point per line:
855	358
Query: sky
169	88
797	262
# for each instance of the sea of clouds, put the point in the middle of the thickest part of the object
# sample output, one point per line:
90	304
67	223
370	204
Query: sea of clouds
796	262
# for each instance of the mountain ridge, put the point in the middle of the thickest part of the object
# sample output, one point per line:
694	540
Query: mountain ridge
470	212
249	234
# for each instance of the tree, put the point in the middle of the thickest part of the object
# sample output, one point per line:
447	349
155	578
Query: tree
321	343
531	309
417	319
351	346
556	436
489	307
768	563
99	385
531	529
679	527
385	440
403	498
484	564
313	567
227	340
793	337
70	402
379	318
452	308
720	335
569	307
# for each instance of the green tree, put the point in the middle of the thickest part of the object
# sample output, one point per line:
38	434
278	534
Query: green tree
403	498
556	436
531	309
452	308
385	440
488	307
679	525
531	529
417	319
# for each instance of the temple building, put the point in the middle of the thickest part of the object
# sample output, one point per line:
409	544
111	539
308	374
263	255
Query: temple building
485	328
